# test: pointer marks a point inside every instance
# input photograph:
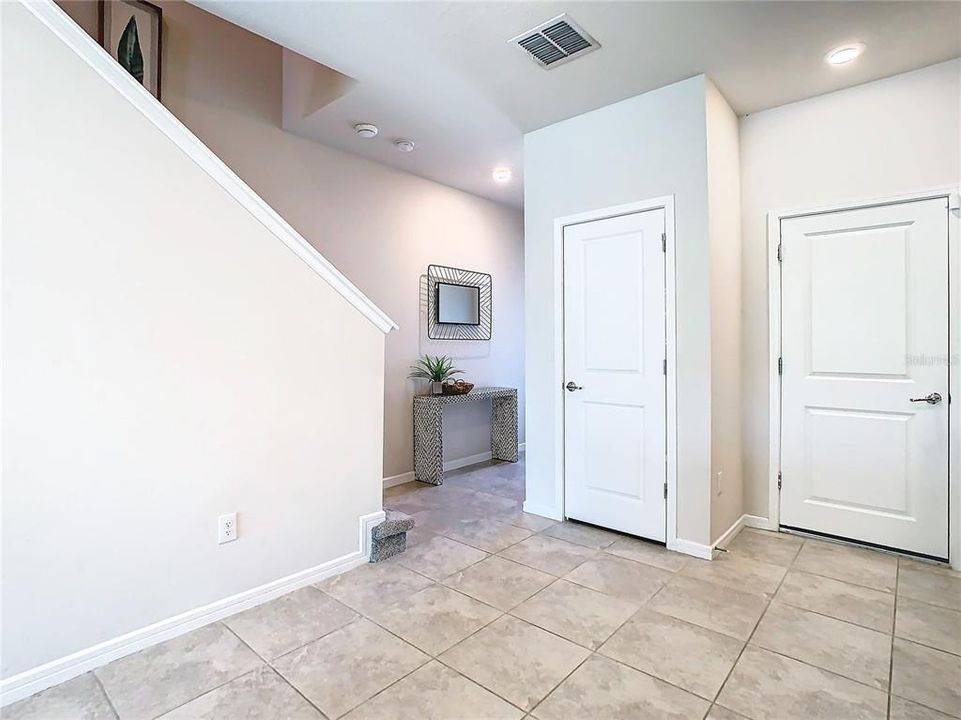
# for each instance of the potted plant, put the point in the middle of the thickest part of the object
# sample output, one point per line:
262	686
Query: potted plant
435	370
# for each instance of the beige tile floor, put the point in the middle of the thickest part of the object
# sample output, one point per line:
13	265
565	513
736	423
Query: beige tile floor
493	613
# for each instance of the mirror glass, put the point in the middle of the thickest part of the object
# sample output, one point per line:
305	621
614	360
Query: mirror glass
458	304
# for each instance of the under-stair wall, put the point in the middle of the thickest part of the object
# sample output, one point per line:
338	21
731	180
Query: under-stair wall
172	351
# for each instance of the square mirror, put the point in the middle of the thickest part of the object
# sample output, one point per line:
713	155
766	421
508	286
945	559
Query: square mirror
458	304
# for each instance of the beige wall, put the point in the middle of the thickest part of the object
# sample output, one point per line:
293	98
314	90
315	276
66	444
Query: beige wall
379	226
644	147
724	223
895	136
166	360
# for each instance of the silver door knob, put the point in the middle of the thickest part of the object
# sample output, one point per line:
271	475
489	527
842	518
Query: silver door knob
932	399
571	387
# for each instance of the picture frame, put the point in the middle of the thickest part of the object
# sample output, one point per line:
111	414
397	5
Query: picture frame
132	32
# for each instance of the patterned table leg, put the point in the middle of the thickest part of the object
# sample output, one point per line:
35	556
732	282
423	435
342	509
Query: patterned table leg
504	428
428	443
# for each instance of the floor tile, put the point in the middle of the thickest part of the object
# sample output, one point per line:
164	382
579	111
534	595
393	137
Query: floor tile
435	618
489	535
929	625
649	553
719	713
935	585
849	650
902	709
435	692
347	667
281	625
736	572
604	689
767	686
581	534
927	676
495	507
557	557
81	698
841	600
165	676
715	607
529	521
515	660
499	582
686	655
374	585
577	613
770	547
850	564
627	579
259	695
439	557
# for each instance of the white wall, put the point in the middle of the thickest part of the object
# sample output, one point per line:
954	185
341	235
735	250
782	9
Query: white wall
893	136
165	360
647	146
379	226
724	210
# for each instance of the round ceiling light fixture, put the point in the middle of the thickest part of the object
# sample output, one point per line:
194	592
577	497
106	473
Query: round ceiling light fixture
404	146
844	54
502	174
365	130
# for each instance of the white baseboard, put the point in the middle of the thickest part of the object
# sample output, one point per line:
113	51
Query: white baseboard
730	533
543	510
57	671
449	465
688	547
758	522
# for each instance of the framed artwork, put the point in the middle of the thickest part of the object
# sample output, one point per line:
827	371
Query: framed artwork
132	31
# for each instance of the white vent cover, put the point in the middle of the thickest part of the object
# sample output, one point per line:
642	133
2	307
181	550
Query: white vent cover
556	41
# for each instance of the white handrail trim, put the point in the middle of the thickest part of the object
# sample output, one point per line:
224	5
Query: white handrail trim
47	12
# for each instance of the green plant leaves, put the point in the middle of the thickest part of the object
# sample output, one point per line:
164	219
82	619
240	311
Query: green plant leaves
435	369
129	54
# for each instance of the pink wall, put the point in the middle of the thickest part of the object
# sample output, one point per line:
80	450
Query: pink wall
379	226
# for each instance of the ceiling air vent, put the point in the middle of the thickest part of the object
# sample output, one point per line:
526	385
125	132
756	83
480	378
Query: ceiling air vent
556	41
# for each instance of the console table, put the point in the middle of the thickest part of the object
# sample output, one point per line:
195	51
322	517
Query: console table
428	429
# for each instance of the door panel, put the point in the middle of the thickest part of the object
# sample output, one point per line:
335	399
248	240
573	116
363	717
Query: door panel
864	305
614	339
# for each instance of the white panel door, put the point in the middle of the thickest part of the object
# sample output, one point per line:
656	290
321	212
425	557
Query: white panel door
614	345
864	314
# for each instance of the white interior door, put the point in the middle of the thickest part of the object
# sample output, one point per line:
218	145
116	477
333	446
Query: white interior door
614	350
864	315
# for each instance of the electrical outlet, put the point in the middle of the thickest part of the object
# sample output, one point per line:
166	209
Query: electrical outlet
227	528
717	482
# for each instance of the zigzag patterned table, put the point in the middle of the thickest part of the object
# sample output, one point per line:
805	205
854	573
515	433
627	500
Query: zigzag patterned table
429	436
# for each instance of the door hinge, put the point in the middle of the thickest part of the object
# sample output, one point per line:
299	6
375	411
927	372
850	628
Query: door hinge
665	366
665	491
663	242
780	366
780	257
779	480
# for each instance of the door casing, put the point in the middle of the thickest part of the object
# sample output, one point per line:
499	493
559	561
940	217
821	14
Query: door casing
667	204
774	218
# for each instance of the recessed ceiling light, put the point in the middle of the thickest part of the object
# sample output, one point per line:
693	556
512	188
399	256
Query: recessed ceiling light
844	54
502	174
365	130
404	145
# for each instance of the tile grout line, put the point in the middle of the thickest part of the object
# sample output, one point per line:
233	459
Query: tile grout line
747	641
106	695
269	663
894	629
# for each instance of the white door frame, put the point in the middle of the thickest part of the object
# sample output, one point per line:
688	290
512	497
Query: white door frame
667	204
774	218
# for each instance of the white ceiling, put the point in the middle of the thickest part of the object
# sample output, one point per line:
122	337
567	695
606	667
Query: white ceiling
443	75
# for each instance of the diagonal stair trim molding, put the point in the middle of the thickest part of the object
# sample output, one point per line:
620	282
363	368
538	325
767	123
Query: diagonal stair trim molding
60	24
